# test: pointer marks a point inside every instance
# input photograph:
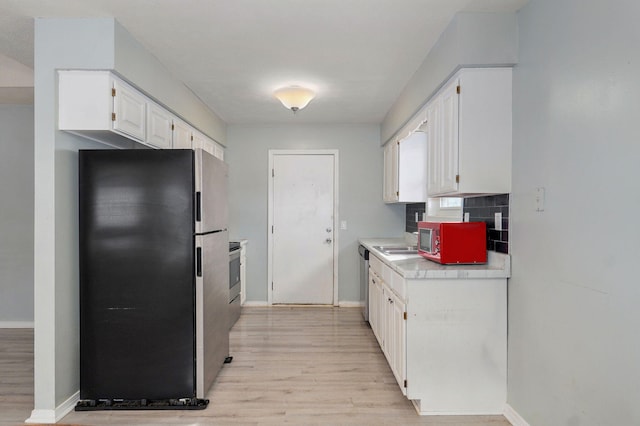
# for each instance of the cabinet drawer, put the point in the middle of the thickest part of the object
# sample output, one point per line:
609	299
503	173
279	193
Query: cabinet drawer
377	265
399	285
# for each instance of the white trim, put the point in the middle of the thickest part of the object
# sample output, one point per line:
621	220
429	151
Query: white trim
42	416
54	416
251	303
513	417
336	198
350	304
16	324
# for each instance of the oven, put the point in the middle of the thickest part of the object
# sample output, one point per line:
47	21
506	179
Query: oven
234	283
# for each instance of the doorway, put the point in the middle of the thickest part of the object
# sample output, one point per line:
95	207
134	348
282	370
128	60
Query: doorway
302	237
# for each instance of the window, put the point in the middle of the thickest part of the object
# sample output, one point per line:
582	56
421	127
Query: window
450	203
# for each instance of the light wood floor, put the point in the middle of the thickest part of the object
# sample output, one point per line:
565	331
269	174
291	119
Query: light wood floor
293	365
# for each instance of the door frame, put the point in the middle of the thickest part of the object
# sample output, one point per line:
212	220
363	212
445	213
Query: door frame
272	154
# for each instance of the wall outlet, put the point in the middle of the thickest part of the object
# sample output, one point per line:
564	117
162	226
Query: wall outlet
498	220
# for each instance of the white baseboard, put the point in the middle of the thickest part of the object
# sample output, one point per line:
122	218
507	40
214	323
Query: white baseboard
349	304
255	303
16	324
54	416
514	418
342	304
42	416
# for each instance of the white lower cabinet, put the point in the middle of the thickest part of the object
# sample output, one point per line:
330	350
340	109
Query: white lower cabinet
397	338
387	320
445	339
375	295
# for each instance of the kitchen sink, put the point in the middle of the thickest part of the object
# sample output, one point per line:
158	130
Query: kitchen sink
391	250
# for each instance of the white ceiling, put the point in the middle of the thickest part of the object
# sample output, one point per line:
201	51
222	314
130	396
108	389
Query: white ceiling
357	54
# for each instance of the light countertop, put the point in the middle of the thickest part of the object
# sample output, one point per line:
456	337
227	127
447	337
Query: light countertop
414	266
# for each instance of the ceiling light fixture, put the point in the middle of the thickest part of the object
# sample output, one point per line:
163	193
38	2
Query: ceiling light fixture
294	97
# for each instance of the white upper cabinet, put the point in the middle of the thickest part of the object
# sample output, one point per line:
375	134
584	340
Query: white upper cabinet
129	110
210	146
181	135
103	107
469	128
405	169
97	105
185	136
412	168
159	122
390	190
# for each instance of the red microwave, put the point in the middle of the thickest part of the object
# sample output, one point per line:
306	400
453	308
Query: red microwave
453	242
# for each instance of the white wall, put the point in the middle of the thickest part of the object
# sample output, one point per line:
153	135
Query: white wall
574	295
16	216
360	193
471	39
140	67
58	44
64	44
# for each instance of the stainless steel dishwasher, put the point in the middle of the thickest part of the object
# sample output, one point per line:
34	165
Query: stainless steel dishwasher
364	280
234	283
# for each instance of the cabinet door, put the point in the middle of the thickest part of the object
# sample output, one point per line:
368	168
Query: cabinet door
390	188
158	126
375	306
397	340
204	143
385	328
449	137
412	168
200	141
373	313
181	135
434	116
129	109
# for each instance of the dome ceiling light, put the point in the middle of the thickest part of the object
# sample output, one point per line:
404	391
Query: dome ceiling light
294	97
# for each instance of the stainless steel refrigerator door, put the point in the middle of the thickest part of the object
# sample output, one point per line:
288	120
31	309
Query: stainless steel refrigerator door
211	185
212	305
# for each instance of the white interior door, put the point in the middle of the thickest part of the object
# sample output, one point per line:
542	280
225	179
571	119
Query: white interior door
302	219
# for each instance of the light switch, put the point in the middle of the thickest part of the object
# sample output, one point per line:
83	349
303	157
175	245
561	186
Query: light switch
417	216
466	216
343	224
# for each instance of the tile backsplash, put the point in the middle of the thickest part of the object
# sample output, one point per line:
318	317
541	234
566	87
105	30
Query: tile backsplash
480	209
483	209
410	221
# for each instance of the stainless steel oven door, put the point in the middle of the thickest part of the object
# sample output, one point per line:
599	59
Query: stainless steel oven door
234	287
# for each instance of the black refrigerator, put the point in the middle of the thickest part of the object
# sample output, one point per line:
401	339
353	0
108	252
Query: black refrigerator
154	275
